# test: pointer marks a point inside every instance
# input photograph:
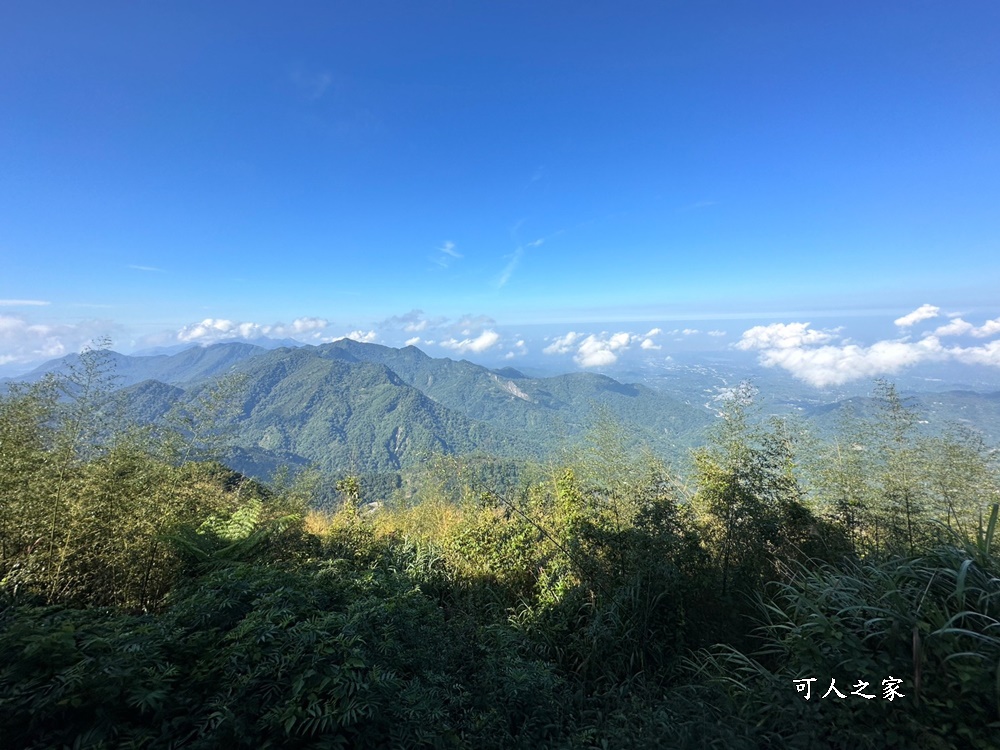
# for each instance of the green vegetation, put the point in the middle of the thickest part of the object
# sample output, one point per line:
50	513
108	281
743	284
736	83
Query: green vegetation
152	597
370	409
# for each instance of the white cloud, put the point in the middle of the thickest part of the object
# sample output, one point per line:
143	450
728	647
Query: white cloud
959	327
812	356
603	350
835	365
599	350
924	312
412	322
619	340
22	342
782	336
451	334
716	333
562	344
218	329
987	354
23	302
412	342
595	357
304	325
147	269
519	350
365	337
647	340
989	328
469	321
481	343
214	330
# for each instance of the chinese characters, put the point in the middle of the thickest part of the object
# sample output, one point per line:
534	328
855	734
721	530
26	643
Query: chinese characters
890	689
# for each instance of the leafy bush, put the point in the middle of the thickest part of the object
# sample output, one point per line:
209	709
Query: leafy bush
148	601
932	621
322	655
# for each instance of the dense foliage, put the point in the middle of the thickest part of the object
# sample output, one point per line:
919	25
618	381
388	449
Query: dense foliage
151	597
373	409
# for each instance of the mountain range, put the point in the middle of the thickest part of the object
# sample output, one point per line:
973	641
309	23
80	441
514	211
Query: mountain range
348	406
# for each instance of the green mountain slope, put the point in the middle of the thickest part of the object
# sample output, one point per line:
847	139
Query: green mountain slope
348	406
935	412
350	415
189	366
150	400
548	411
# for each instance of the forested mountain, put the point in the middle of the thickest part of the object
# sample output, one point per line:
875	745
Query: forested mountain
348	406
541	409
934	413
350	415
356	407
188	366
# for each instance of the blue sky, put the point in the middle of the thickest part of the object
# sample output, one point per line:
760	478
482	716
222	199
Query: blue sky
527	169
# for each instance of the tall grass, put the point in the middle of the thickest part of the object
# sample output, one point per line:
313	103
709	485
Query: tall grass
932	620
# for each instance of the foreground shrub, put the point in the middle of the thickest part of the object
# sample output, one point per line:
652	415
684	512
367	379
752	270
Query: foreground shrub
324	655
932	622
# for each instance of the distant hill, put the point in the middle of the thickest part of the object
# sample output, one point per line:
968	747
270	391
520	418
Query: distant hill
546	411
348	406
935	412
264	342
185	367
351	415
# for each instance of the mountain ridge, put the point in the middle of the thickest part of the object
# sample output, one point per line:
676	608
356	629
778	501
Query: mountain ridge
353	406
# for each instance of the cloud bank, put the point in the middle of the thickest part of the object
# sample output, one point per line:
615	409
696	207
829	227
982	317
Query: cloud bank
365	337
23	342
823	358
214	330
959	327
481	343
601	350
